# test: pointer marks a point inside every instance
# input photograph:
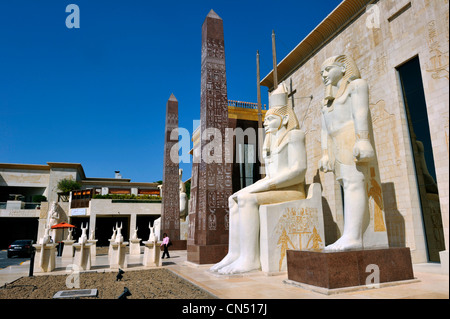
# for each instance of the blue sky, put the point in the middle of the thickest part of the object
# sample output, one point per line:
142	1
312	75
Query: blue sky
97	95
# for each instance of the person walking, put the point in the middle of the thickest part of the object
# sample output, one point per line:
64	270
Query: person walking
165	243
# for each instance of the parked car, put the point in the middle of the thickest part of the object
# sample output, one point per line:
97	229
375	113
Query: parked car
21	247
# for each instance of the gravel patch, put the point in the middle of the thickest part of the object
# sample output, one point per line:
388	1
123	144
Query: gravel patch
143	284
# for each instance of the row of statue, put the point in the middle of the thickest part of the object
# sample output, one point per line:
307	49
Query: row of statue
346	146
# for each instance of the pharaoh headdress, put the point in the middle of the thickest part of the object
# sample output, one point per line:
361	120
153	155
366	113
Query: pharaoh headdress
351	70
278	105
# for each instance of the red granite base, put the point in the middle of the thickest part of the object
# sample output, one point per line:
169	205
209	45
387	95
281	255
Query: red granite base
179	245
206	254
349	268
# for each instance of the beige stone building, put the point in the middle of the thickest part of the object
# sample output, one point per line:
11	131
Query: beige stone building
401	48
23	218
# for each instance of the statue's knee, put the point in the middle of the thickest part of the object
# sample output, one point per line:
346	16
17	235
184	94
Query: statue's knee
231	201
246	199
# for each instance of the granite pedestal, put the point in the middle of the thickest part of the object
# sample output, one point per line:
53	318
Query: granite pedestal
206	254
333	270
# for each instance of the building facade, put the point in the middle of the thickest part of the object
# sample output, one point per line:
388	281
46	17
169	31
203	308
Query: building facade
401	48
22	218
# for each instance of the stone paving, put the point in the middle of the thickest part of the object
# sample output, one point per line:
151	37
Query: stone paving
429	283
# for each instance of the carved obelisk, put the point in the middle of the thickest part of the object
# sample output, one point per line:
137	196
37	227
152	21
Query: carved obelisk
170	207
214	175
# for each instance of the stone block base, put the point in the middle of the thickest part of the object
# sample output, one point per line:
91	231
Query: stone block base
135	247
68	249
333	270
290	225
44	260
82	256
152	255
206	254
178	245
118	259
93	243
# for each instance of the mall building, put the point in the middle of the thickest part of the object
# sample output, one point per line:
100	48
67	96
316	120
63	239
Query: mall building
401	48
23	218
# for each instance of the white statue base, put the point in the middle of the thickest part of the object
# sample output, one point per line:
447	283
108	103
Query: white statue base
290	225
135	247
110	248
152	254
93	243
82	256
117	259
68	248
44	260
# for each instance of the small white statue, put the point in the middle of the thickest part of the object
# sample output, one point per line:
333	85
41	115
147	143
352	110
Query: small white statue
134	235
83	238
46	239
69	235
113	237
152	237
119	237
92	235
284	153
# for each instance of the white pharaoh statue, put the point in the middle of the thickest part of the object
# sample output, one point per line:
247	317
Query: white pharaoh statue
53	218
284	155
346	143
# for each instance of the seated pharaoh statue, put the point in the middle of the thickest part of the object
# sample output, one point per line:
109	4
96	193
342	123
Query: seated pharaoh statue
284	155
348	151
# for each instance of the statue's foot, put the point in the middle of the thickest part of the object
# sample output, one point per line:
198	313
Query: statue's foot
240	265
345	243
228	259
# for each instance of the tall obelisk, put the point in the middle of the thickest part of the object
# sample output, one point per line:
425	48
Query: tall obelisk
214	175
170	207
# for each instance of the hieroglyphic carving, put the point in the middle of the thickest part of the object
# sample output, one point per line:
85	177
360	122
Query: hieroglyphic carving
374	193
439	60
302	223
383	122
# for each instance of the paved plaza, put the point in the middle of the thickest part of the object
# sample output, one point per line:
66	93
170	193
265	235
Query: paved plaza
429	282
